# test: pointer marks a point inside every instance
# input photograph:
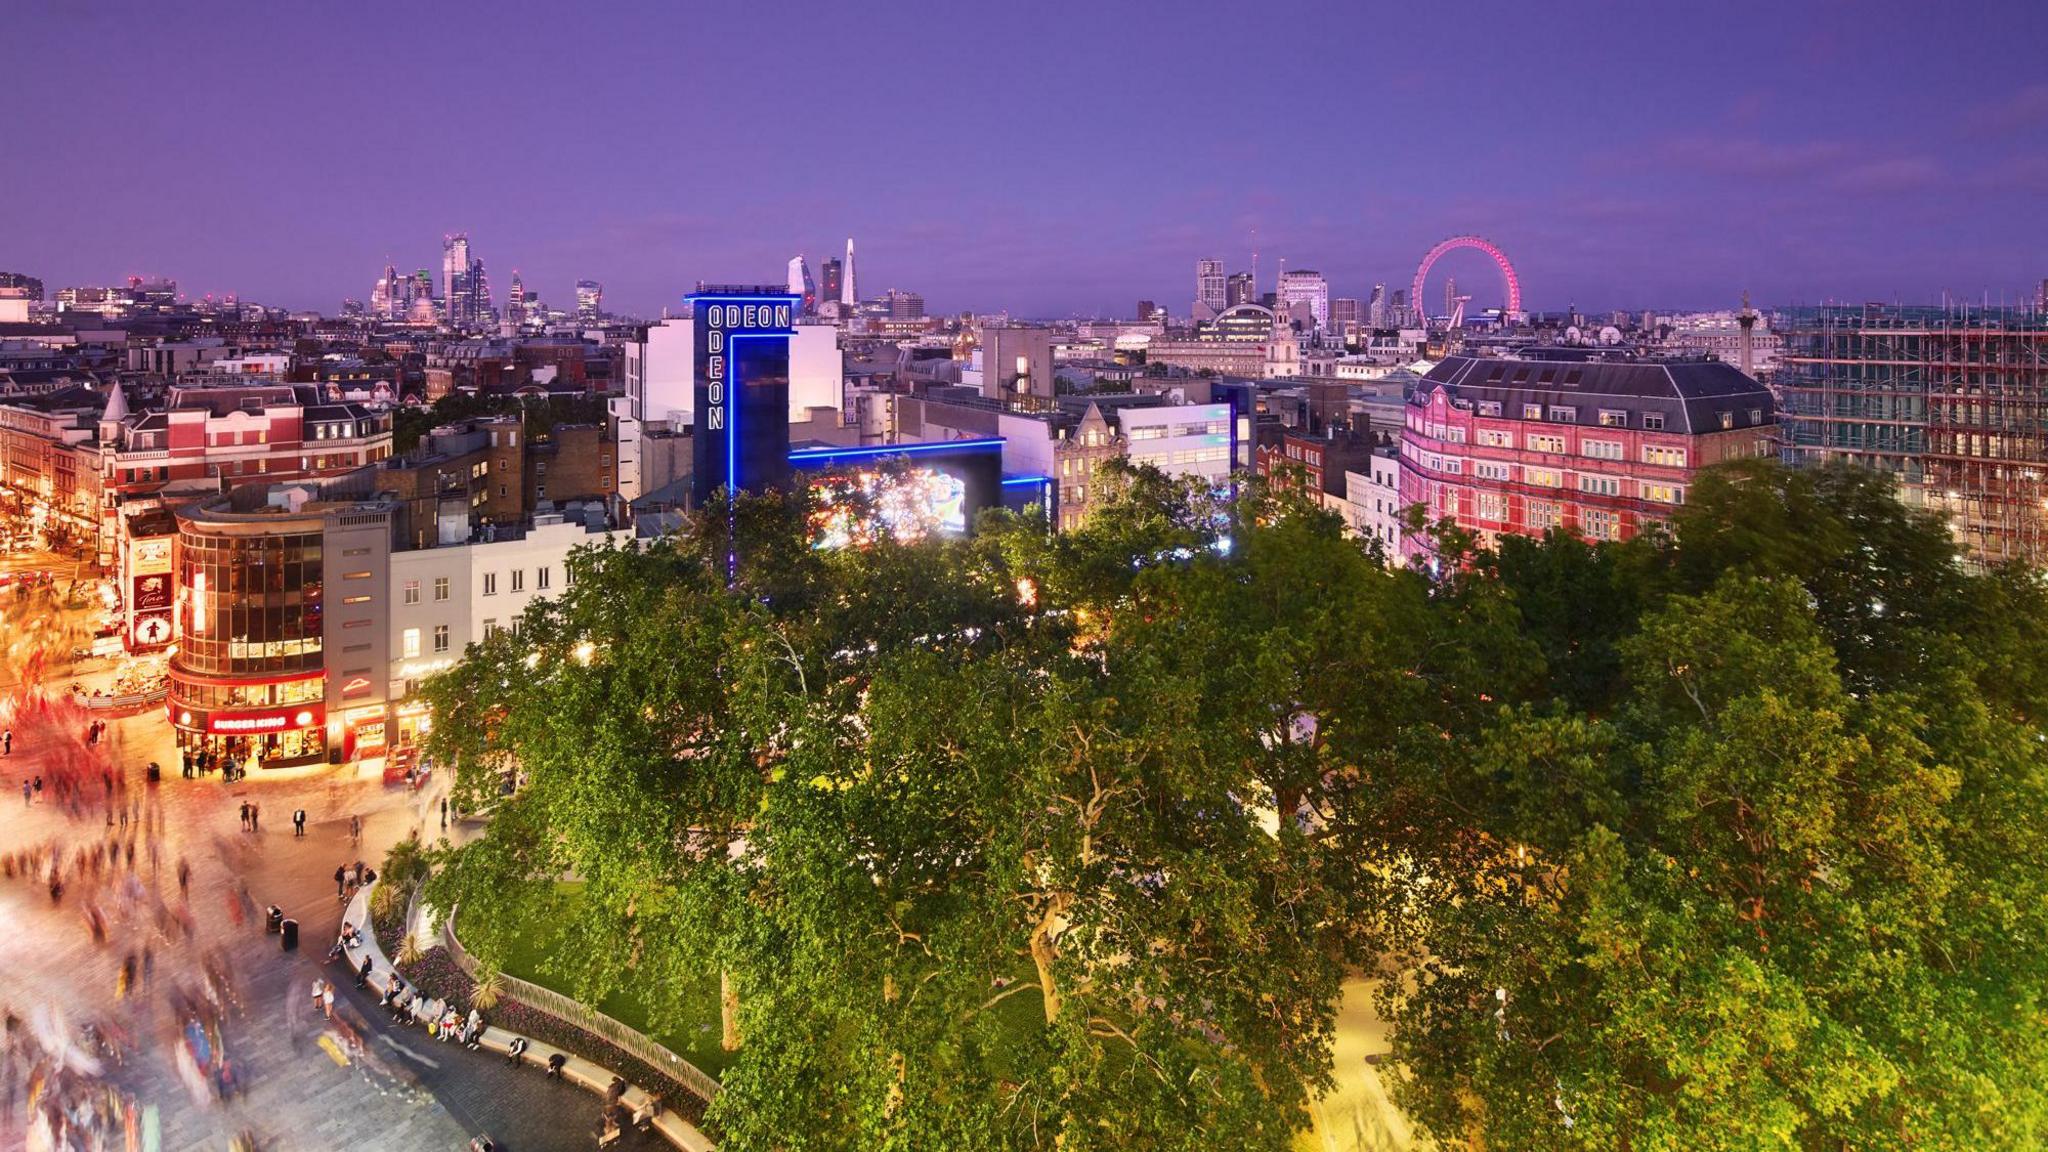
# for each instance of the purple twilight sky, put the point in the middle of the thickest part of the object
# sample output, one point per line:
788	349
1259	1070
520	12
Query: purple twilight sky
1051	158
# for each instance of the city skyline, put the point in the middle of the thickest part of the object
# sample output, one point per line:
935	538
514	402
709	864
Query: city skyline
1755	158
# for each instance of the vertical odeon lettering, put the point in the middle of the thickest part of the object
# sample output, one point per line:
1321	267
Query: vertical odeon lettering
742	360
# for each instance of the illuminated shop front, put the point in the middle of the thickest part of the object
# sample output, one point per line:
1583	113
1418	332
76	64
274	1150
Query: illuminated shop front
248	680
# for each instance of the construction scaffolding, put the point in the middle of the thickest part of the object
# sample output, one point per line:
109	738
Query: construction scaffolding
1951	401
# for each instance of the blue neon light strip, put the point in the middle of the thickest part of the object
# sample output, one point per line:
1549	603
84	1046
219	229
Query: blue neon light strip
813	455
732	404
1018	481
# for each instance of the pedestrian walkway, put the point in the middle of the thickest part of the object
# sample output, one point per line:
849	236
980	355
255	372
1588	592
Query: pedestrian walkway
403	1093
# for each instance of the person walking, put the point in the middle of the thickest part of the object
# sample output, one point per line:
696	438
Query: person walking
245	815
7	741
363	974
298	823
340	882
444	813
255	818
355	829
28	794
327	999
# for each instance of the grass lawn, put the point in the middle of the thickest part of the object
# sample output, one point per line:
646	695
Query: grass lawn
694	1038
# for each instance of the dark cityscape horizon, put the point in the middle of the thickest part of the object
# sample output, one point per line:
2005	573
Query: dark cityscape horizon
1057	162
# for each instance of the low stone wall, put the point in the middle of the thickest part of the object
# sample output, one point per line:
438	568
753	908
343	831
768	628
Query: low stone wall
572	1011
676	1129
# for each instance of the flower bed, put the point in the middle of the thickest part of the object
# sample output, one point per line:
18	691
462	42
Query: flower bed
436	975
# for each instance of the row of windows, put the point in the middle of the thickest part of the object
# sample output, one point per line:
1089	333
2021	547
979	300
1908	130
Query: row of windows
1592	483
1185	456
543	579
1162	431
1556	445
409	641
412	590
251	695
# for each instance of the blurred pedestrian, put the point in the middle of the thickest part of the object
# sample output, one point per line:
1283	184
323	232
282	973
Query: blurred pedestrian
299	822
7	741
444	813
245	815
255	818
355	829
340	882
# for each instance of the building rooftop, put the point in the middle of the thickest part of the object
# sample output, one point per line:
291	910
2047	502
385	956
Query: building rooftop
1692	395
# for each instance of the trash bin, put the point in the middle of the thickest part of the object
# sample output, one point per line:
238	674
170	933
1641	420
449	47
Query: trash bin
155	773
288	934
273	919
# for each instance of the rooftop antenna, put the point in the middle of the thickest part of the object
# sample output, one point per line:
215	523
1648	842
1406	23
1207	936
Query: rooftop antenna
1255	267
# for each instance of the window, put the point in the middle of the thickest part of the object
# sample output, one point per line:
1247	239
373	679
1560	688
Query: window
1487	470
1496	438
501	489
1543	477
1563	414
440	587
412	591
1664	457
1546	443
1531	411
1543	516
541	576
355	599
1727	421
1601	449
1489	407
1653	421
1664	493
440	637
1756	415
490	628
1599	524
409	644
355	575
1613	418
519	579
1599	485
490	583
1492	506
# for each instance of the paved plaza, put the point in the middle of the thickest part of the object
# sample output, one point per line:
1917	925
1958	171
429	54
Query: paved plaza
405	1092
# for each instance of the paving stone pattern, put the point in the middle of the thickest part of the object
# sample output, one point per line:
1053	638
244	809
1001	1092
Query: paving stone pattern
409	1092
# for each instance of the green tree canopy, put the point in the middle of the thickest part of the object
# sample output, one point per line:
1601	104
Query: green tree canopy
1724	837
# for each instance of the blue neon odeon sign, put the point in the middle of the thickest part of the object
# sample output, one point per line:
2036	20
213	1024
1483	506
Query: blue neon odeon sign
741	437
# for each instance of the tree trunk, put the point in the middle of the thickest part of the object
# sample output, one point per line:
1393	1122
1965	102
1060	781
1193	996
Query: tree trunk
728	1011
1044	950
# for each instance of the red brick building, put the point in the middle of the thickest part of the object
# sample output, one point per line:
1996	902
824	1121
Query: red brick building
1600	448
